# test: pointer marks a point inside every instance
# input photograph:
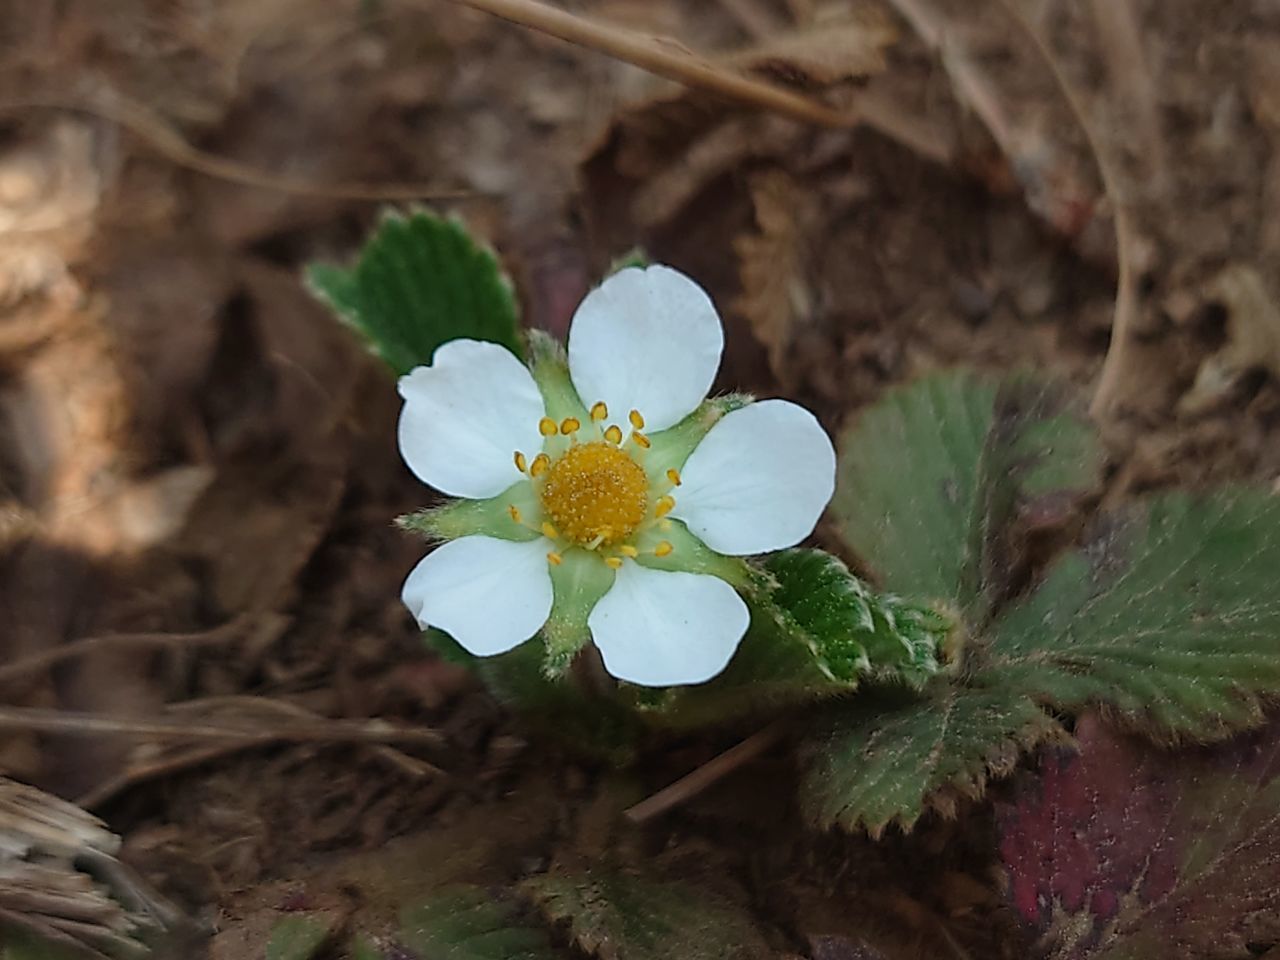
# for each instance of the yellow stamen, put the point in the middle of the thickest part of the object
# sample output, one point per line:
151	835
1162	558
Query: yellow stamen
569	425
515	513
547	427
595	494
554	559
521	463
640	438
549	531
662	549
637	421
674	476
539	465
614	562
614	435
627	550
599	411
664	506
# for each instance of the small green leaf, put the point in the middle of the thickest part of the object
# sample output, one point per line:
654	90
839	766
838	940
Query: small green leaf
20	945
930	477
875	764
299	936
1172	620
420	281
467	923
816	631
617	916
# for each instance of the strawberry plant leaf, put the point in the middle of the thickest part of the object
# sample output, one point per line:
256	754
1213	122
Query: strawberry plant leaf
930	478
875	764
420	281
618	916
467	923
1126	851
1168	618
1171	619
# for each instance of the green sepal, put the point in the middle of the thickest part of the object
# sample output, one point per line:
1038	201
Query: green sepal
635	257
489	518
689	555
670	448
550	369
579	581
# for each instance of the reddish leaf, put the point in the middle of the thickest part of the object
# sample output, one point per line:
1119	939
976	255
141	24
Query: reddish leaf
1127	851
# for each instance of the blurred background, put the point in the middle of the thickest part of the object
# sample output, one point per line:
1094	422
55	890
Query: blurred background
198	469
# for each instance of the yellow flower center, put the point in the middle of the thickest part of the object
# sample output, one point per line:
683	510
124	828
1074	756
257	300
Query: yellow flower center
595	494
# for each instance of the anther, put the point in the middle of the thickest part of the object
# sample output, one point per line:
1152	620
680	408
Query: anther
547	427
521	463
569	425
539	465
664	506
627	550
554	559
599	411
614	562
515	513
674	476
637	421
614	435
549	531
662	549
640	439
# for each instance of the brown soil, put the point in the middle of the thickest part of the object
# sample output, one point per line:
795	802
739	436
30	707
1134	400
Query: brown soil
199	464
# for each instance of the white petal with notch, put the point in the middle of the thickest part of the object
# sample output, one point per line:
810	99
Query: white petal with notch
647	339
490	595
659	628
466	415
759	480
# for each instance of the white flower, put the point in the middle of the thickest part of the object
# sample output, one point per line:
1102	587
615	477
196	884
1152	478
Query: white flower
609	499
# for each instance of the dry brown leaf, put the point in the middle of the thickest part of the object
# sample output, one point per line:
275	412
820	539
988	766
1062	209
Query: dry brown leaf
777	297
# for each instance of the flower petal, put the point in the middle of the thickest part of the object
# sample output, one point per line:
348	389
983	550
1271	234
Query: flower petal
656	628
759	480
490	595
649	340
466	415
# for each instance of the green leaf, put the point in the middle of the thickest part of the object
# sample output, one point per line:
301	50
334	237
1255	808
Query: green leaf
617	916
20	945
467	923
816	631
299	936
1172	620
420	281
875	764
1169	621
929	479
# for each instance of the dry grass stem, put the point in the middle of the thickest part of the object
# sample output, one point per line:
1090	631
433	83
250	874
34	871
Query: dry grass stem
1117	364
661	56
156	133
326	731
708	774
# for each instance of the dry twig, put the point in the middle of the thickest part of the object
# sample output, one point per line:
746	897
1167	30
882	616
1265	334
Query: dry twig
156	133
322	731
36	662
1117	364
661	56
714	770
